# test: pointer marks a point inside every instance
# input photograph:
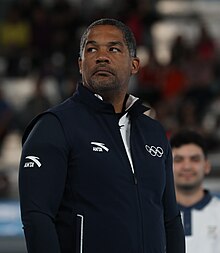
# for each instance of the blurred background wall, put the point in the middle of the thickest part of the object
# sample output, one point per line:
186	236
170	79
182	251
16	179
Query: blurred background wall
179	46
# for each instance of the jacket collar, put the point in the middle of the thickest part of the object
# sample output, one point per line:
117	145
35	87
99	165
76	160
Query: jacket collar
134	105
199	205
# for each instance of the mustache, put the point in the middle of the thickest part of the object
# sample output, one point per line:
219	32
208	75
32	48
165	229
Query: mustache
103	67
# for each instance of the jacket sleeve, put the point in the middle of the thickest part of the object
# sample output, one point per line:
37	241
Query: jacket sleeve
173	225
42	175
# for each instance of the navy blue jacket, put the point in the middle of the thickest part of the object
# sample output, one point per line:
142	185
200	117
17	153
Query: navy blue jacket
78	193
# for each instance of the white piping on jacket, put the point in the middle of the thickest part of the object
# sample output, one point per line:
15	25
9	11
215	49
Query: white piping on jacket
81	231
125	126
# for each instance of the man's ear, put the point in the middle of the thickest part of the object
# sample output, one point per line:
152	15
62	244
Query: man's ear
135	65
80	65
207	167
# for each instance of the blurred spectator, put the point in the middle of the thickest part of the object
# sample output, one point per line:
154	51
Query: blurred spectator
6	118
14	40
15	32
63	26
179	50
187	115
211	122
150	80
134	20
25	7
40	36
4	185
165	113
199	67
36	104
205	45
174	82
200	96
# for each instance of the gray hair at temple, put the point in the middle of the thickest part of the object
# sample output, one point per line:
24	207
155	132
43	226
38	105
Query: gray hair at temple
127	34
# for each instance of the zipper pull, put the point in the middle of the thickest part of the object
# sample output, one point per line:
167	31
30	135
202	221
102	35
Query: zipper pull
135	179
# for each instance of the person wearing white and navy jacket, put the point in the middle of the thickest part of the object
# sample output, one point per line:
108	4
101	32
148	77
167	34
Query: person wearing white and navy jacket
96	172
200	209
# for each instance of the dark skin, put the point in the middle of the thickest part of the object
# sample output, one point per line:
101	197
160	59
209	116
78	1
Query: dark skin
106	65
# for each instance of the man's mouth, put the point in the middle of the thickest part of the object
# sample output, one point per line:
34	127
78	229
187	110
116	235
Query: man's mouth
103	72
187	175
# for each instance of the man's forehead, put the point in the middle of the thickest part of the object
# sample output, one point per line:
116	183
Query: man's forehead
109	31
187	150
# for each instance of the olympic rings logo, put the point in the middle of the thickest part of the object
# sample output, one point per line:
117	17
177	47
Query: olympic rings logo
154	151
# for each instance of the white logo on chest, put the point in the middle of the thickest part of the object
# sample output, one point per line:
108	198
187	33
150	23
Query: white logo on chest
154	151
99	147
212	231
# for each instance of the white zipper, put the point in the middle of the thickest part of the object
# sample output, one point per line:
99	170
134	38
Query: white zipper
81	231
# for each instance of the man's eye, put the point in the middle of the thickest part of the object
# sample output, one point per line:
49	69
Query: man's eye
196	159
91	49
114	49
177	159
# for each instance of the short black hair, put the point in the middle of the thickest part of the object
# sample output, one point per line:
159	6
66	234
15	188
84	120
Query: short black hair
188	136
126	31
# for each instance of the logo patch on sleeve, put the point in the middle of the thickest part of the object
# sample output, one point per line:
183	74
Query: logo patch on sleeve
33	160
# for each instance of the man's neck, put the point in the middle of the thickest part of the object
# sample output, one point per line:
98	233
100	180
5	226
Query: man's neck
117	100
189	198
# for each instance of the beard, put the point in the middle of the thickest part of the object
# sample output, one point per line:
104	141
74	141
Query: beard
104	84
186	188
189	187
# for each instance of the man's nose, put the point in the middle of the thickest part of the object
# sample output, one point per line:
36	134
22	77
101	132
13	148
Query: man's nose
102	57
186	164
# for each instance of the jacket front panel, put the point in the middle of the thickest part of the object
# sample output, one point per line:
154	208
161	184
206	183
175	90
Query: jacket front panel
112	202
99	177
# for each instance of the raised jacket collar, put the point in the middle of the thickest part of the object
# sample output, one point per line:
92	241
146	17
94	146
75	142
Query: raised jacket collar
134	105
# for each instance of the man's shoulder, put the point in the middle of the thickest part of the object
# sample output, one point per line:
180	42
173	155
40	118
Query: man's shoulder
152	123
213	206
68	104
215	201
62	112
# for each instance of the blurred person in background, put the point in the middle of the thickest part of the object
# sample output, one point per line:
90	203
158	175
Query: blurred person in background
6	122
6	118
36	104
15	37
4	185
91	178
199	208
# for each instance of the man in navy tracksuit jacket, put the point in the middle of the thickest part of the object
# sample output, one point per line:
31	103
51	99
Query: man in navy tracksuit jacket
96	172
